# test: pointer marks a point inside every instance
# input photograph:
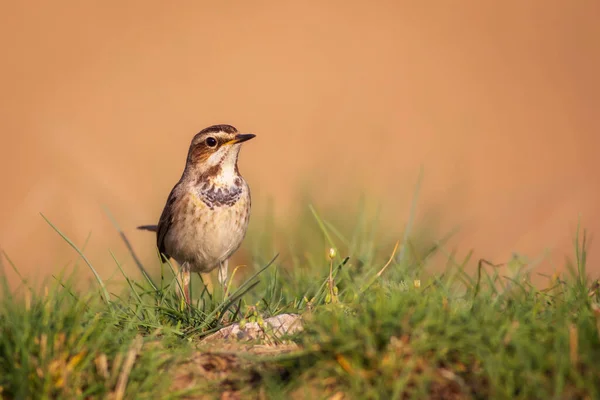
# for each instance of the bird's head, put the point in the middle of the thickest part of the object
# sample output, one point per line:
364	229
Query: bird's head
215	150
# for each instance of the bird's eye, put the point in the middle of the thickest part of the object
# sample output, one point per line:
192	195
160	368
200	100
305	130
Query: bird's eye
211	142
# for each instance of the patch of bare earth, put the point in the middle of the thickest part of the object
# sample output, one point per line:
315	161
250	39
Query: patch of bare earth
231	363
228	364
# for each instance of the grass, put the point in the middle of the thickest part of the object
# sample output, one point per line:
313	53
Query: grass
377	324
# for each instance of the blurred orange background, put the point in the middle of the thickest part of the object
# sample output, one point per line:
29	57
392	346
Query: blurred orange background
498	101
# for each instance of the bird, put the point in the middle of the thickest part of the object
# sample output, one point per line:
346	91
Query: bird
206	215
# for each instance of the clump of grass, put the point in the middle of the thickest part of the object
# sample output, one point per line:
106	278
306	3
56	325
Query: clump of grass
454	336
58	345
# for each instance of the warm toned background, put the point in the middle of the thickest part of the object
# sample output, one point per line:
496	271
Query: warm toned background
497	100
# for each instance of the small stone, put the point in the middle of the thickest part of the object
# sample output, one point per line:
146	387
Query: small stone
276	326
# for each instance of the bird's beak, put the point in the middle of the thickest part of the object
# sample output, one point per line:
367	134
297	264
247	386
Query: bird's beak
242	137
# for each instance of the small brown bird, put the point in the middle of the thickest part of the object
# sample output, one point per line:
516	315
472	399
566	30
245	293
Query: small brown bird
207	212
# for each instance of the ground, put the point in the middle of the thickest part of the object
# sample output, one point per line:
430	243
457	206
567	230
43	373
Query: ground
318	324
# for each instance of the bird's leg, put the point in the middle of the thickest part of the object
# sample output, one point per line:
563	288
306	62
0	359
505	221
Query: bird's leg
222	275
185	280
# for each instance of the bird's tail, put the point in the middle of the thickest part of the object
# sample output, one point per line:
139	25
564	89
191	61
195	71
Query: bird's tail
151	228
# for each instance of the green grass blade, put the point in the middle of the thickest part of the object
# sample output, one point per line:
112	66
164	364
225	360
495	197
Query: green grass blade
105	295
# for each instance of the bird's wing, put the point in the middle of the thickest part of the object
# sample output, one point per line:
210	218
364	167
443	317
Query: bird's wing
164	223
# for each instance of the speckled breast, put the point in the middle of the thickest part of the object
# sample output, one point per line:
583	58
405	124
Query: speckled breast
216	225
